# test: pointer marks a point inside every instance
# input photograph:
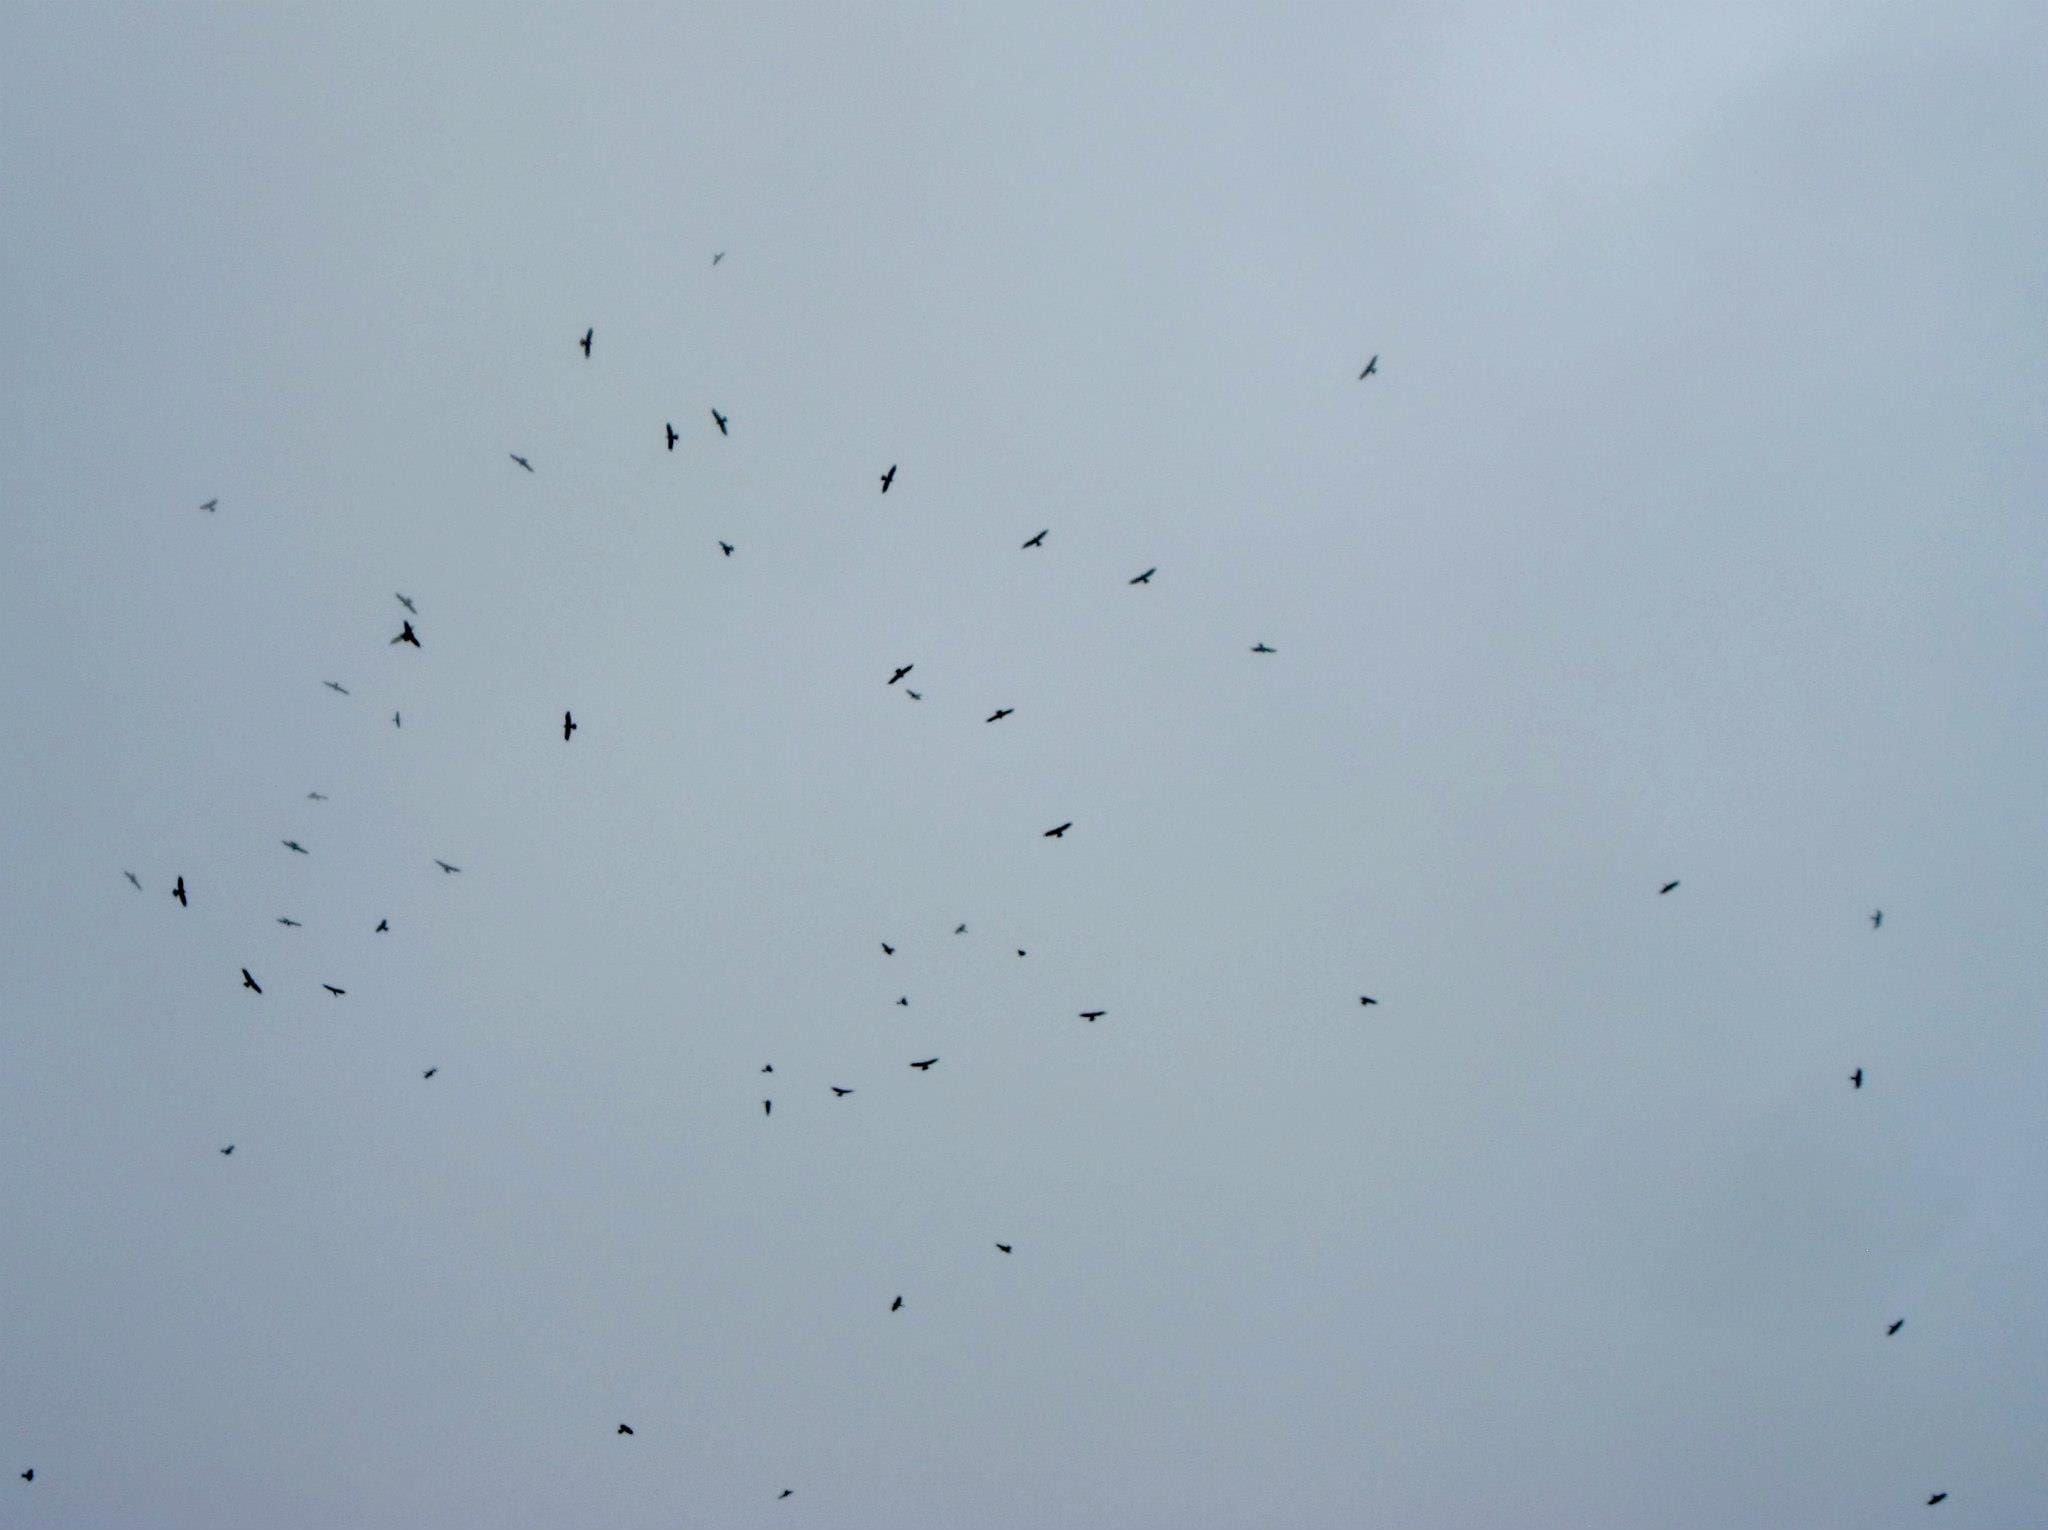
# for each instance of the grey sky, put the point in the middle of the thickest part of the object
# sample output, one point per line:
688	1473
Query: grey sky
1691	529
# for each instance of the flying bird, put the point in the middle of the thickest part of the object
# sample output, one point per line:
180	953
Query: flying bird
887	949
840	1092
588	336
30	1474
336	685
292	922
726	548
1877	918
1020	953
904	1002
1058	833
999	714
896	1305
1667	887
337	992
520	460
888	478
406	601
1367	999
446	867
383	925
1146	577
178	892
768	1067
670	427
292	844
408	636
906	669
395	722
1856	1078
210	504
568	726
1895	1327
926	1065
959	929
1935	1499
1261	648
913	695
316	796
1037	541
131	877
1092	1015
430	1073
625	1429
721	422
767	1107
785	1493
1371	367
228	1150
249	982
1004	1247
718	257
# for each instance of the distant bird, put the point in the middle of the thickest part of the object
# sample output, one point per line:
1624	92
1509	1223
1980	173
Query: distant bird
395	722
294	845
1895	1327
430	1073
1877	919
337	992
211	504
316	796
335	685
841	1092
999	714
383	926
904	1002
959	929
408	636
1092	1015
625	1429
1146	577
718	257
913	695
887	949
131	877
588	336
520	460
568	726
926	1065
767	1107
1935	1499
1371	367
785	1493
30	1474
228	1150
446	867
726	548
1856	1078
292	922
1020	953
249	982
1261	648
1667	887
906	669
1058	833
178	892
1367	999
896	1305
670	427
888	478
1004	1247
406	601
768	1067
1037	541
721	422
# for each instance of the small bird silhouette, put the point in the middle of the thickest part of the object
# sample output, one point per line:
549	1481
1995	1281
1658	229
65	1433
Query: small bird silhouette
726	548
625	1429
767	1107
785	1493
888	478
1092	1015
446	867
718	257
336	685
840	1092
926	1065
1935	1499
316	796
293	923
407	635
178	892
228	1150
999	714
913	695
588	336
1037	541
1667	887
430	1073
1895	1327
721	422
294	845
131	877
1020	952
1146	577
768	1067
520	460
1261	648
337	992
1371	367
1856	1078
906	669
959	929
568	726
904	1002
887	949
211	504
896	1305
1367	999
1877	919
670	427
395	721
249	982
30	1474
1004	1247
406	601
383	927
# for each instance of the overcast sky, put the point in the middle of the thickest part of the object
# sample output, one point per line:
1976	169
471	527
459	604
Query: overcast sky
1692	528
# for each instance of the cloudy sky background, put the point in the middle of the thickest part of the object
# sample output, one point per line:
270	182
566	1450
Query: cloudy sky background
1691	529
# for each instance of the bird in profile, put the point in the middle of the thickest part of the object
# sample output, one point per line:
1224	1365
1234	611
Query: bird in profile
337	992
520	460
178	892
718	257
588	336
1058	833
1895	1327
767	1107
396	721
1935	1499
1667	887
446	867
906	669
785	1493
131	877
625	1429
1020	953
904	1002
913	695
383	927
211	504
294	845
1037	541
1877	918
1092	1015
1262	648
430	1073
959	929
925	1066
1856	1079
670	427
842	1093
406	601
1367	999
1004	1247
336	685
316	796
250	983
887	949
568	726
1371	367
768	1067
407	635
1146	577
293	923
30	1474
999	714
726	548
227	1151
721	422
896	1305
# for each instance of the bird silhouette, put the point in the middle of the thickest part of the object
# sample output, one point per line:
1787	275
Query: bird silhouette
1877	918
904	1002
1037	541
767	1107
294	845
670	427
721	422
1667	887
842	1093
925	1066
625	1429
888	478
906	669
785	1493
1004	1247
887	949
913	695
1092	1015
336	685
568	726
1895	1327
1935	1499
337	992
768	1067
588	336
520	460
383	927
1371	367
1856	1078
446	867
178	892
407	635
30	1474
1060	832
959	929
1020	953
1261	648
227	1151
430	1073
406	601
293	923
131	877
718	257
999	714
316	796
211	504
1146	577
896	1305
395	721
1367	999
726	548
249	982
